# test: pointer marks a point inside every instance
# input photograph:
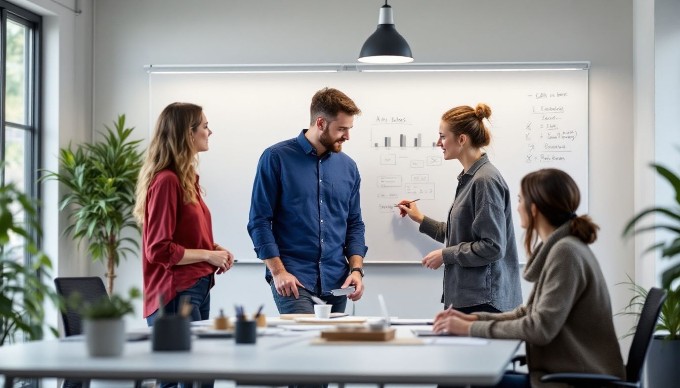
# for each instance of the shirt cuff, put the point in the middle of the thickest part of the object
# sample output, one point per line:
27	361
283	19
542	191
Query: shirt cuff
356	249
267	251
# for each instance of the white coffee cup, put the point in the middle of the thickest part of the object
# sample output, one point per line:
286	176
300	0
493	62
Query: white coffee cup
322	311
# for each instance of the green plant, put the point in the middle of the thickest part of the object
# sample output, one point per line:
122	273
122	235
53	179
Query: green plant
670	312
101	179
22	291
115	306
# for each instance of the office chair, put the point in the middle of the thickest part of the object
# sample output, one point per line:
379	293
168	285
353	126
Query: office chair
636	356
91	289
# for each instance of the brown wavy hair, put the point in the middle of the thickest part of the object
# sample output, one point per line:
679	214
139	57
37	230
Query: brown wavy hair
328	102
465	120
557	197
172	148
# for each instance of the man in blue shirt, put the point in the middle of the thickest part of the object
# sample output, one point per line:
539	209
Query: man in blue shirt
305	214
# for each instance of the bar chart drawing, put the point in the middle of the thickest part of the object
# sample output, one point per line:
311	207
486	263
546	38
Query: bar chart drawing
393	137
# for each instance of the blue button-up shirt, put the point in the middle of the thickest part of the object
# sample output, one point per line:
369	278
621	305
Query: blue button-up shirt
305	209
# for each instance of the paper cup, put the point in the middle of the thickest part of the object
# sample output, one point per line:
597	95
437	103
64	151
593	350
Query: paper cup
322	311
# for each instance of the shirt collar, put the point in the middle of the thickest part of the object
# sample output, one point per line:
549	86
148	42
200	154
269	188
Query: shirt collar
475	166
308	148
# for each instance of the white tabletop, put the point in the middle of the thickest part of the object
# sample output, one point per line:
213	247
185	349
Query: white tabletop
273	360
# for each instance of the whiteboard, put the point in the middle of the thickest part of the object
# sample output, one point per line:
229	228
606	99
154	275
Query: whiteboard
539	119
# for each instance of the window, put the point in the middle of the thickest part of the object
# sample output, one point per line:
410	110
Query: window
19	118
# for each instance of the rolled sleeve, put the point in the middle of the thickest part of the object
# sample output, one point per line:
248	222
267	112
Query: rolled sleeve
162	202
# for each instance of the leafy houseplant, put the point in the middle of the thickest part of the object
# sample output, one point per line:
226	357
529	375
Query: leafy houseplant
670	312
662	360
103	322
111	307
22	291
101	179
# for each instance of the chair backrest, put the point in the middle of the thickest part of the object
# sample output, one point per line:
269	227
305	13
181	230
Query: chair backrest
643	333
90	288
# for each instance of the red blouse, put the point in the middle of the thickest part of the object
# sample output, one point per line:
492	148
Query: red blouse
170	227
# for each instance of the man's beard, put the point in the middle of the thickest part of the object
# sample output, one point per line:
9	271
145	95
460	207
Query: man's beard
326	141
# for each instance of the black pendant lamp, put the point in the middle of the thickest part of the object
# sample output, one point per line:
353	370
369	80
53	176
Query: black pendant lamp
385	45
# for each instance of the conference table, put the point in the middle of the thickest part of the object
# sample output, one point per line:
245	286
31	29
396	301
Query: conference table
276	359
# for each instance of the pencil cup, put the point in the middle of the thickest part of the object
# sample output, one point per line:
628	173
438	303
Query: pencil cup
245	332
171	333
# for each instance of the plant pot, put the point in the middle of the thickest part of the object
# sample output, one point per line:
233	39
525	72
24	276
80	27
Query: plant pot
662	369
104	337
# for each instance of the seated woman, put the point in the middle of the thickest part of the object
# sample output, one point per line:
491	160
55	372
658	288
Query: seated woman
567	321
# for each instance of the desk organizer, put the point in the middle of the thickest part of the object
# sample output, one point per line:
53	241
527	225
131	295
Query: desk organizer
171	333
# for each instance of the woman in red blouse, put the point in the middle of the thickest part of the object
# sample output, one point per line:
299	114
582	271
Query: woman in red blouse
179	255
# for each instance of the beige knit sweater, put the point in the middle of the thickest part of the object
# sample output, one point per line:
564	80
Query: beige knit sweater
567	321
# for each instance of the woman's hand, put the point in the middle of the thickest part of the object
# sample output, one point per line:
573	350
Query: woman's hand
409	207
451	312
434	259
452	325
220	258
452	321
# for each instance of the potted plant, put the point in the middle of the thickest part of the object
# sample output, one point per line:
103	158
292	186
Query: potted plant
664	352
101	179
23	293
103	323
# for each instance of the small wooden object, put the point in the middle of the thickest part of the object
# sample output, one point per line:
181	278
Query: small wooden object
261	320
221	322
358	334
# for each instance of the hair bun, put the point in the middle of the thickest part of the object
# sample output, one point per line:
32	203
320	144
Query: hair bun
482	111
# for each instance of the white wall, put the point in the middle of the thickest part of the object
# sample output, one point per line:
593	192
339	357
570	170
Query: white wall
667	100
130	34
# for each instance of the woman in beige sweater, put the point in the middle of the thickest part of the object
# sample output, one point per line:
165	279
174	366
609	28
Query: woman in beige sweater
567	321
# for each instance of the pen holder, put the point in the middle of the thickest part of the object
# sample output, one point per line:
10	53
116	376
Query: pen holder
171	333
245	331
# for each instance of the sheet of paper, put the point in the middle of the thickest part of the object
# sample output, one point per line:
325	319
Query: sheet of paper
470	341
411	321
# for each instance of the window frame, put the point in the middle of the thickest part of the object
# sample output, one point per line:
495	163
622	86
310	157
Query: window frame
33	87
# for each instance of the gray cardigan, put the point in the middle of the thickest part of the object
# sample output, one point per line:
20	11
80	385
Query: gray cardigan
567	321
480	258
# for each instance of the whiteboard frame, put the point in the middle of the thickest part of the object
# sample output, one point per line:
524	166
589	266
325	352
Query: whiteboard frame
361	67
343	67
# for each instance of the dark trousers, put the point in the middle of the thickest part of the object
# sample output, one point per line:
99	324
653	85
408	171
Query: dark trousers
199	297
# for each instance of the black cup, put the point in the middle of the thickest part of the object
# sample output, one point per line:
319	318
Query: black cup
171	333
245	332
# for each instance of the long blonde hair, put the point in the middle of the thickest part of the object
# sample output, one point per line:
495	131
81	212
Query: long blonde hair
172	148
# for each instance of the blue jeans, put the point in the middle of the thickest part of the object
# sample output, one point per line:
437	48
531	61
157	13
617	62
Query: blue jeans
304	304
199	297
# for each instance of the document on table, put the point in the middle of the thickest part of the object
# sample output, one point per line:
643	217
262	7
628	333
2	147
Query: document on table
452	340
411	321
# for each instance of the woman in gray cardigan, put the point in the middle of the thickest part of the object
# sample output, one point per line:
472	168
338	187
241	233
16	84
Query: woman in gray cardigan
481	269
567	321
